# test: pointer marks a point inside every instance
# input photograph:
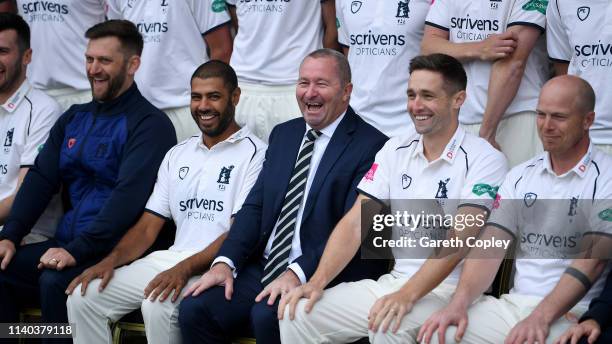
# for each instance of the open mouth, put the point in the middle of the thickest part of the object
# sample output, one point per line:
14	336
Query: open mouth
314	106
422	117
206	117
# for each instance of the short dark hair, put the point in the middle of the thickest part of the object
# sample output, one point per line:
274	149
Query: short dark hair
10	21
344	69
125	31
217	69
450	68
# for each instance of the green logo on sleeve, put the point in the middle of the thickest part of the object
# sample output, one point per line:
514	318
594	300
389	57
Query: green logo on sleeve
536	5
218	6
40	147
337	23
481	189
606	215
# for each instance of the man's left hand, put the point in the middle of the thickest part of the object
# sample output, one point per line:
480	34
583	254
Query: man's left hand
389	309
173	279
530	330
280	286
56	258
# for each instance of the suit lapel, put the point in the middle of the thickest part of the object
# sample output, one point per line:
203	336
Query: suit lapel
340	139
289	151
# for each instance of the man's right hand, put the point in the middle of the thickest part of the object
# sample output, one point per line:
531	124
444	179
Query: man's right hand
103	270
588	328
454	314
219	274
498	46
7	251
309	291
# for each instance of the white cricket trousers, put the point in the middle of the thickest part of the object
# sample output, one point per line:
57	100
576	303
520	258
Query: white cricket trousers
123	294
490	319
341	316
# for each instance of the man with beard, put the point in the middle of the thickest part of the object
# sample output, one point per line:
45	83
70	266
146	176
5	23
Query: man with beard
201	184
103	155
26	116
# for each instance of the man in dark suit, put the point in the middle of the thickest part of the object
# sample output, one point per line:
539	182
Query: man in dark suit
308	182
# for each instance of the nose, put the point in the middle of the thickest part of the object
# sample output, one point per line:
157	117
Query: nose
311	91
94	67
203	104
415	103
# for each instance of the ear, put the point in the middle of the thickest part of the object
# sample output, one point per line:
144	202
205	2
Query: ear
589	118
133	65
458	99
236	96
27	57
346	92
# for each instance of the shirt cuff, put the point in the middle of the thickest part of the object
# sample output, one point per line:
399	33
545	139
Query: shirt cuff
295	267
227	261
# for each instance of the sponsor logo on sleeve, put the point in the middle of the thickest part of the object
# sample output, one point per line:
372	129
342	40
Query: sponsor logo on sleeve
218	6
606	215
369	176
481	189
536	5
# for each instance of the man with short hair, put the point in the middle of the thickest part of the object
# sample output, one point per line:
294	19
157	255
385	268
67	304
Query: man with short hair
26	116
578	45
103	155
201	185
306	184
551	206
178	37
58	44
502	48
442	163
271	40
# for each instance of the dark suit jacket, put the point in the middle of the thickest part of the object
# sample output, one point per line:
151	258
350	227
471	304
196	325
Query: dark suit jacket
600	308
348	156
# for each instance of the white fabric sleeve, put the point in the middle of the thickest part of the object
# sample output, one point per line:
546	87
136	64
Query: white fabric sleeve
600	217
295	267
484	177
375	183
114	8
42	120
231	2
557	41
159	201
250	178
528	12
439	14
208	14
505	210
343	34
229	262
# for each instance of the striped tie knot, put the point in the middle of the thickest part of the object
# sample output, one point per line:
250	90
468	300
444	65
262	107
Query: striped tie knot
313	134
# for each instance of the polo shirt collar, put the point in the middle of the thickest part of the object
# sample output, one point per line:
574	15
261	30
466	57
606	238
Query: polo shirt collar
451	149
235	137
580	169
16	98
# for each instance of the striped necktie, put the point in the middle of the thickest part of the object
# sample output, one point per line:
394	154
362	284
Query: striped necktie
278	259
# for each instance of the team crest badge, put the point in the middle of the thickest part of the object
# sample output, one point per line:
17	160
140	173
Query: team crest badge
583	12
530	199
183	172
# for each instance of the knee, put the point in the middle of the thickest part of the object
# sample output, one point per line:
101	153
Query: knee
156	312
449	335
193	312
299	316
75	301
263	316
51	280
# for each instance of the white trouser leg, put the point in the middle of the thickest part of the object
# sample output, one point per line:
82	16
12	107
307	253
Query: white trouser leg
183	122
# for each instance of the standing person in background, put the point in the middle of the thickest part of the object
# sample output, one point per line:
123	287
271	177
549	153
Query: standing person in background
501	45
271	41
179	35
379	38
579	42
58	43
8	6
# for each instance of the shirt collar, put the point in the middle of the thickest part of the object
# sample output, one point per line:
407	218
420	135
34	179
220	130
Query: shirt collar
16	98
451	149
235	137
330	129
580	169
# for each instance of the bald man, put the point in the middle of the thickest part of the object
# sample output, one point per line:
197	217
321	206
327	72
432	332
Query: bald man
541	206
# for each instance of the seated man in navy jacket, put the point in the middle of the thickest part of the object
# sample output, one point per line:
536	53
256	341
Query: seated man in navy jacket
308	182
104	155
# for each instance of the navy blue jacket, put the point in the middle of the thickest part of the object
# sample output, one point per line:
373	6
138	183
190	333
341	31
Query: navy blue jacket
600	308
348	156
106	157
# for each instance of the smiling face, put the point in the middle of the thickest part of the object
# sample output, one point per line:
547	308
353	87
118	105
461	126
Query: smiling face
320	94
431	108
12	62
561	122
109	70
212	105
